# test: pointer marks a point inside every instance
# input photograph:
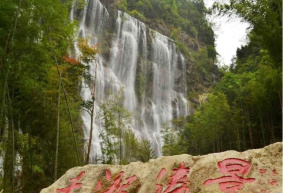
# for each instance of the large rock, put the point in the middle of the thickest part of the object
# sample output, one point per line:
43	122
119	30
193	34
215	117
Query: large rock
258	170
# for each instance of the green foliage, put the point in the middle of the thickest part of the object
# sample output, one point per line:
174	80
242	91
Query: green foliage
265	17
211	52
33	34
204	70
144	6
79	4
141	79
122	5
189	16
244	109
37	169
182	47
119	144
88	52
208	124
138	15
170	138
144	151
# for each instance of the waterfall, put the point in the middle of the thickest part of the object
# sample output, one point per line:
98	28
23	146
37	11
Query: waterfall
145	63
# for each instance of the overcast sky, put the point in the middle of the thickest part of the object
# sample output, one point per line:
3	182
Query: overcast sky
230	34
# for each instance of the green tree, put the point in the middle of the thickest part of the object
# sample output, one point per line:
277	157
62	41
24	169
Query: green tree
115	120
265	17
35	35
118	140
88	54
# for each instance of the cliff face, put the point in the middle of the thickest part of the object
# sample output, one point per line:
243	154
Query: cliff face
258	170
152	69
184	22
159	60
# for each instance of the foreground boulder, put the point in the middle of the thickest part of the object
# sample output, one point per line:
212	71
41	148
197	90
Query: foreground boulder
258	170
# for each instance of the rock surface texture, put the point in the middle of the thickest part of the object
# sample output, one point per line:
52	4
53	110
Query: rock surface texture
258	170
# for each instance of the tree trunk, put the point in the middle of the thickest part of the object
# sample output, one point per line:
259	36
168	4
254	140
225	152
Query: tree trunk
244	135
213	144
90	133
280	99
71	121
230	147
2	120
262	129
120	138
13	140
92	115
221	143
272	130
238	138
30	156
250	130
67	102
58	134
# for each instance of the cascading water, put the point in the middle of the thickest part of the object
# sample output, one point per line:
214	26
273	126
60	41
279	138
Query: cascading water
145	63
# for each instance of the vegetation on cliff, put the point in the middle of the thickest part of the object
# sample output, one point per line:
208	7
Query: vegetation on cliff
185	22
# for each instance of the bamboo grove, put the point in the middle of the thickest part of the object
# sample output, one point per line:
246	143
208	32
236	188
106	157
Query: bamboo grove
39	92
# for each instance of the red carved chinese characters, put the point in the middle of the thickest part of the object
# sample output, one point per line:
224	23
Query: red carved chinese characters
236	168
265	191
262	171
270	181
274	172
74	184
117	186
178	181
273	182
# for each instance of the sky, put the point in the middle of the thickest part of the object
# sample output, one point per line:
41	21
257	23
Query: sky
230	34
